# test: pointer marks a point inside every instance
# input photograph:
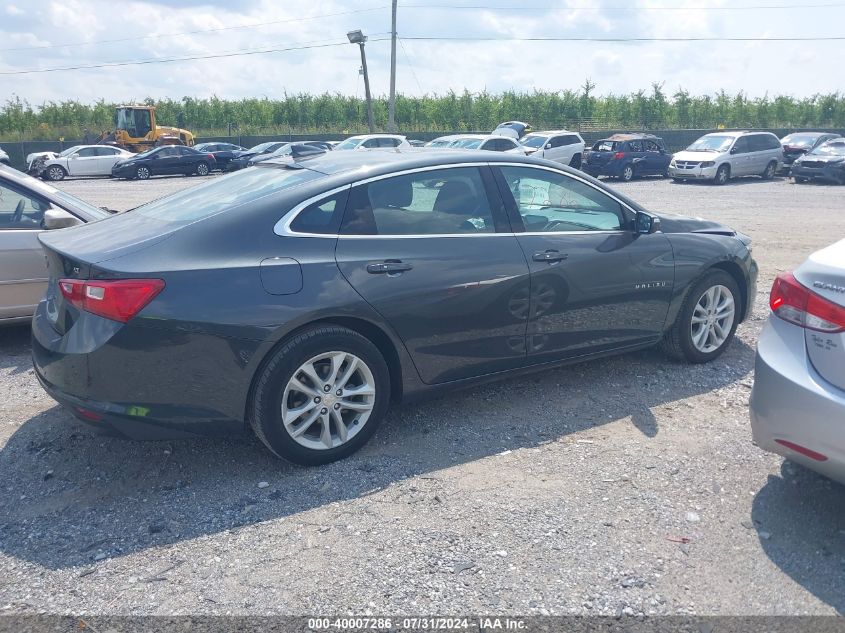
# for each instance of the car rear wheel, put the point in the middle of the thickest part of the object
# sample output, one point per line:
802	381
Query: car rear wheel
321	396
627	174
771	168
143	173
56	172
707	320
202	169
723	174
575	162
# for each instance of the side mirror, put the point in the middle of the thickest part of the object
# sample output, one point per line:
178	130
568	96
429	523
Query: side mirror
59	219
733	150
548	146
646	224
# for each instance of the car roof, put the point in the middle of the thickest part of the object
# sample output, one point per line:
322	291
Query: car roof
816	134
549	132
631	136
365	137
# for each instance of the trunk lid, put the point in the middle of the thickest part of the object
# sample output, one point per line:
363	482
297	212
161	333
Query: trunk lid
824	274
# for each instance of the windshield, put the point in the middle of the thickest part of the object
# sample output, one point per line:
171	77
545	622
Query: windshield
439	142
466	143
147	153
350	143
831	148
532	140
711	144
799	140
69	151
261	147
606	146
225	193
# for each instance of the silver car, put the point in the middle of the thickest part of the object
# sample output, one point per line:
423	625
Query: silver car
720	156
27	207
798	400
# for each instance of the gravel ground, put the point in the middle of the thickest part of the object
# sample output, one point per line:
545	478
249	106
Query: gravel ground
628	485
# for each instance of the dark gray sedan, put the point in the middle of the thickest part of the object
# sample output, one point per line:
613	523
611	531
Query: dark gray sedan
301	297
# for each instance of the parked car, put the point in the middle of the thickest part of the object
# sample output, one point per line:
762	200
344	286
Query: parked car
797	144
443	141
240	160
28	207
798	398
488	142
825	162
80	160
557	145
720	156
373	141
222	152
287	149
4	157
416	142
288	297
627	156
161	161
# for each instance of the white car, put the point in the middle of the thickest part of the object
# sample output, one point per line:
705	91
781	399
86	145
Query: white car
557	145
373	141
79	160
443	141
490	142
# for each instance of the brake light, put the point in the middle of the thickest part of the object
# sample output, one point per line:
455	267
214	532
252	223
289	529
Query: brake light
118	300
797	304
211	156
619	155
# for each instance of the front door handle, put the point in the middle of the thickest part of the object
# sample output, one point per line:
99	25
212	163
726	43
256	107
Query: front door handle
389	266
550	256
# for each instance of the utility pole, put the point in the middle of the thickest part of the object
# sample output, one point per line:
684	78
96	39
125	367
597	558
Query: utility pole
357	37
391	106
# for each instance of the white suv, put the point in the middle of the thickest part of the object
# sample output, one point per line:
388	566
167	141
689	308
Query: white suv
558	145
720	156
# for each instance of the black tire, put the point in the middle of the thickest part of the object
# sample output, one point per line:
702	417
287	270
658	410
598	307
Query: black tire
678	340
627	174
575	161
143	173
55	173
202	169
723	175
266	418
769	173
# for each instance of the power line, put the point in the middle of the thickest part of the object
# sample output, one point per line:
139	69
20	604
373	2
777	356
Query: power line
410	65
144	62
626	39
225	28
462	7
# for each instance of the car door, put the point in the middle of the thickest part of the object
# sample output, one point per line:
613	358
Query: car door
106	158
740	157
432	251
596	285
165	161
23	269
83	162
655	158
556	149
759	153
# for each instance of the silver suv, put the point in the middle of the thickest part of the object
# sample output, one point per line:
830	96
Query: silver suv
720	156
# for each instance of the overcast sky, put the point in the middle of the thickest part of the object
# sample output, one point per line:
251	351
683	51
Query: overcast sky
45	28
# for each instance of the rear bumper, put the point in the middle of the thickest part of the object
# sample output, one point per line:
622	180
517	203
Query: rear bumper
791	402
138	382
613	169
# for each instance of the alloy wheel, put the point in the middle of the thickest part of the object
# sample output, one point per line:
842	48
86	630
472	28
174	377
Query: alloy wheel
202	169
712	319
328	400
143	173
55	173
627	173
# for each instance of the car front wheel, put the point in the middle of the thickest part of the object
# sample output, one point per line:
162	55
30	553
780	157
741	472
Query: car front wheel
707	320
575	163
143	173
320	396
723	174
54	172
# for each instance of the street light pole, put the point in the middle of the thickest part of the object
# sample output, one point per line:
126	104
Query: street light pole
357	37
391	105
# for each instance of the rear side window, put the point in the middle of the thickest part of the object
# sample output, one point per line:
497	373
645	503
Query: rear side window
551	202
322	217
87	152
651	146
225	193
106	151
570	139
437	202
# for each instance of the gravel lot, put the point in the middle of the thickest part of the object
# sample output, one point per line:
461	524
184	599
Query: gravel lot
627	485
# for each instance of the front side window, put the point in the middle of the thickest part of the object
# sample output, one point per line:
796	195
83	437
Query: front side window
552	202
19	210
635	146
651	146
741	146
436	202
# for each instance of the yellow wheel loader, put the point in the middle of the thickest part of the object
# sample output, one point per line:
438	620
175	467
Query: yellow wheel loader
135	129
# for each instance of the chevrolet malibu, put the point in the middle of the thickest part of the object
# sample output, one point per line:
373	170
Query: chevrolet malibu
302	296
798	399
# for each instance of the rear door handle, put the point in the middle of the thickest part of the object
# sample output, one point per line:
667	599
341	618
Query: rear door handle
550	256
388	267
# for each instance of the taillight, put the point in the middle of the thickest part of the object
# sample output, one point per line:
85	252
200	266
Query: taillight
119	299
211	156
619	155
797	304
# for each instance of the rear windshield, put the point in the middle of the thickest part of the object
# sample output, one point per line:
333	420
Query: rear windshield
225	193
606	146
